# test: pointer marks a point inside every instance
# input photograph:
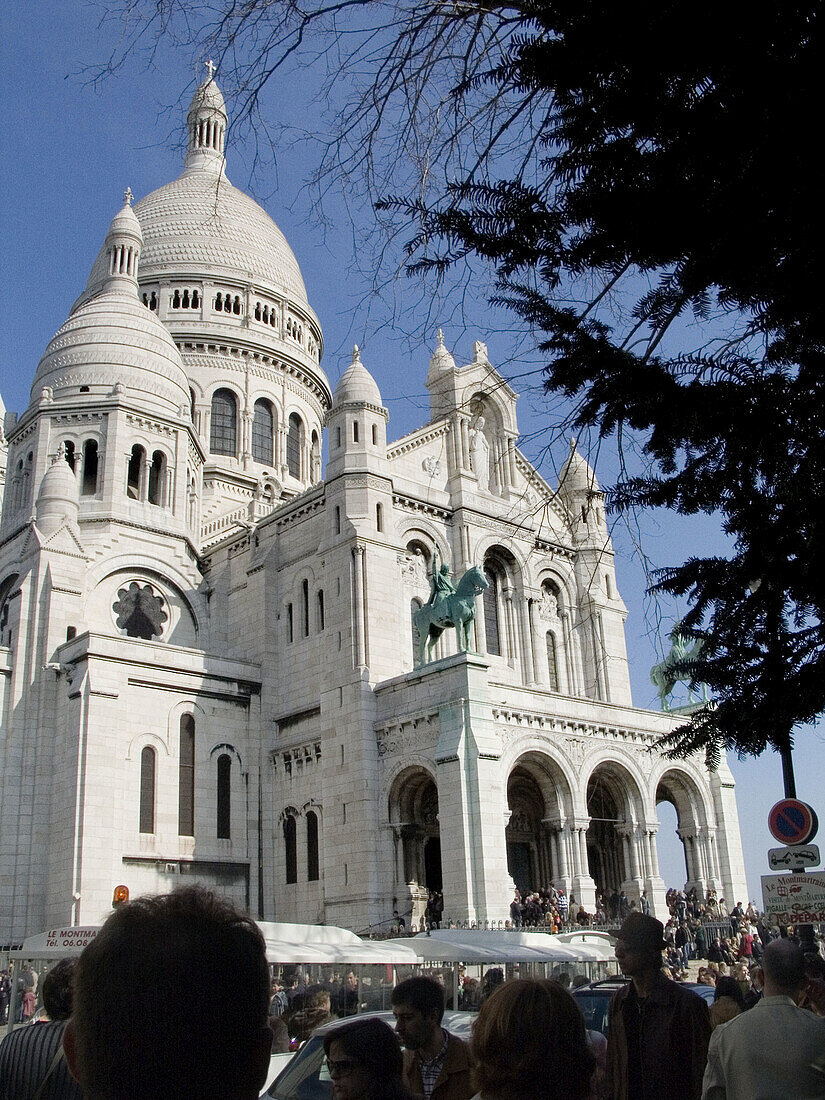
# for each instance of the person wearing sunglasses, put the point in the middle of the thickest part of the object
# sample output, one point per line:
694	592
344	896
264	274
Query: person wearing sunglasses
364	1062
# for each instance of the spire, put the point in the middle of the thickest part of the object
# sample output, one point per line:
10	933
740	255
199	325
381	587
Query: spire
577	475
441	359
207	120
123	244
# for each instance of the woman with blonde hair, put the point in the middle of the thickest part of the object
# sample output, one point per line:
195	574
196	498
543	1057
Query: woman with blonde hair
530	1040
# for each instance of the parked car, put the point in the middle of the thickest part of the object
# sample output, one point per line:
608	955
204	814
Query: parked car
305	1076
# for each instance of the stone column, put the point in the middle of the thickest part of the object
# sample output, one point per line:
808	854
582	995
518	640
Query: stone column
465	442
246	438
509	623
358	607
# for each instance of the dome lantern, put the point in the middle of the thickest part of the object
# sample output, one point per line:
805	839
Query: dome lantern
123	244
207	121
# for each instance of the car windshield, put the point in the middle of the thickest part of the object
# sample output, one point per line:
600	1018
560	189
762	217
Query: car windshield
306	1076
594	1004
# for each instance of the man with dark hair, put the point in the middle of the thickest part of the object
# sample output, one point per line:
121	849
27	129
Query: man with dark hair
171	1003
776	1049
436	1064
31	1058
657	1038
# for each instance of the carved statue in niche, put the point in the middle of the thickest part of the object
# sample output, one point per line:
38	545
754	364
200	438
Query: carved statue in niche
548	604
480	453
315	462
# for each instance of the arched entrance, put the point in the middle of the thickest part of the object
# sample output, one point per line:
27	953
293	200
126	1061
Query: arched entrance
524	836
414	818
538	797
677	789
612	855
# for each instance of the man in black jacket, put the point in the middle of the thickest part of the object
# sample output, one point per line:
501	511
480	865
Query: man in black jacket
658	1031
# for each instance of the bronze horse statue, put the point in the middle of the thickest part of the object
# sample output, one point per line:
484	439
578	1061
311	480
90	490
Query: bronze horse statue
458	610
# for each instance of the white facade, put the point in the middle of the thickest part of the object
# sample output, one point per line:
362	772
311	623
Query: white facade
206	644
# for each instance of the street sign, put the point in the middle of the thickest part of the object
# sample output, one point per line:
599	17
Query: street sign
794	858
792	822
794	899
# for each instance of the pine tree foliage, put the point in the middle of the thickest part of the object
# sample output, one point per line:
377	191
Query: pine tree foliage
679	169
642	178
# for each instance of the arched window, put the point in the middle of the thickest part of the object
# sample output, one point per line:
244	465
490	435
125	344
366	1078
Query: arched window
374	435
192	405
157	478
224	796
134	473
355	431
379	517
290	625
223	431
552	663
263	432
320	605
147	790
291	848
312	847
186	777
305	608
294	440
68	449
491	623
89	484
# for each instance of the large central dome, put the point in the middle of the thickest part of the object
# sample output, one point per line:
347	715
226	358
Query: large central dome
201	224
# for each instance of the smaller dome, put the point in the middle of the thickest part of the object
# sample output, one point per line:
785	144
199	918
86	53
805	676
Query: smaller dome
577	474
113	338
356	384
441	359
57	498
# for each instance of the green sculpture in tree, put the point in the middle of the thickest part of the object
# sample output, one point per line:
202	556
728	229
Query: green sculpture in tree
673	670
448	605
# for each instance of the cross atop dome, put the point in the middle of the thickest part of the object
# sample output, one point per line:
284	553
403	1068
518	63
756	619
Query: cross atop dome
128	196
210	68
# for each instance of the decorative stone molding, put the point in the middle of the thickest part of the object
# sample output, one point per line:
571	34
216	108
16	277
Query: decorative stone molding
412	504
417	439
409	735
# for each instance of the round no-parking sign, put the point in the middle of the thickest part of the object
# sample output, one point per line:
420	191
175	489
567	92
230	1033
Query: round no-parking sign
792	821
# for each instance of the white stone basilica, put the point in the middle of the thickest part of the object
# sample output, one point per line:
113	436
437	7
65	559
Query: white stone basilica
206	647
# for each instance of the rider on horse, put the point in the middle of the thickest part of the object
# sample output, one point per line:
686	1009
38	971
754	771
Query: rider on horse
440	584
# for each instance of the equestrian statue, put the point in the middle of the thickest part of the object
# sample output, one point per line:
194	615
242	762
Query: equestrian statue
671	670
448	605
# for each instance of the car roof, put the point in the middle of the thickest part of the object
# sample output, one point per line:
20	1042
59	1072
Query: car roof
449	1019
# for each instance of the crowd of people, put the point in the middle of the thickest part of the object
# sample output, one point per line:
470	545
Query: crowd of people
203	1026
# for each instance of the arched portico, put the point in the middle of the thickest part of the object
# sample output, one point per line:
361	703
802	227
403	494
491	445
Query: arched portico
694	829
539	826
618	857
413	811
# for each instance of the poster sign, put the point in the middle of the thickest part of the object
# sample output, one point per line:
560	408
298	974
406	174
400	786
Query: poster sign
794	899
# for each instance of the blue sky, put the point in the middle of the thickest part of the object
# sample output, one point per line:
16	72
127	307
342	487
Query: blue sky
69	150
